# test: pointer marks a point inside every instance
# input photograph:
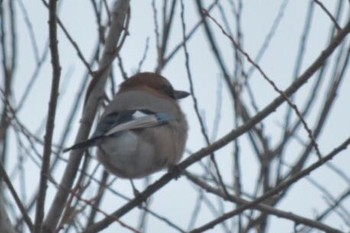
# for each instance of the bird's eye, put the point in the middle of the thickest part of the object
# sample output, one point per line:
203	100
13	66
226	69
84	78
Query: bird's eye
168	90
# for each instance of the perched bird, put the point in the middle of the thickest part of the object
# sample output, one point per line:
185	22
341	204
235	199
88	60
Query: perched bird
142	130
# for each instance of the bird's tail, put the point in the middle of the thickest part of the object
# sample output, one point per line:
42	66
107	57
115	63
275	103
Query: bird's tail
82	145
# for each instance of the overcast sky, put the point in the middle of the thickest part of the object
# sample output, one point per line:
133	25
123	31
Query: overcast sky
176	199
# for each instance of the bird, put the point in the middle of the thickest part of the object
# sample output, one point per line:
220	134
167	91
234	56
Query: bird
142	130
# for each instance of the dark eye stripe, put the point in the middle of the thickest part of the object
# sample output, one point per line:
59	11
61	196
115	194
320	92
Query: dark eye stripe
145	111
168	90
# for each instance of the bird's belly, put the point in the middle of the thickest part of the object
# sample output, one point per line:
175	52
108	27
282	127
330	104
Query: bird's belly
128	156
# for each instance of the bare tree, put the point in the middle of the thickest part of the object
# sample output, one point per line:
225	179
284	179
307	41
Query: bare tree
267	114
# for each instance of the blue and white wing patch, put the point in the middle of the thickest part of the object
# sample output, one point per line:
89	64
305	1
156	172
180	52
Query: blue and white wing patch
142	119
116	122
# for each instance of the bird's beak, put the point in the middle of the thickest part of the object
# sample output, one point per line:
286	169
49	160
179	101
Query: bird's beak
180	94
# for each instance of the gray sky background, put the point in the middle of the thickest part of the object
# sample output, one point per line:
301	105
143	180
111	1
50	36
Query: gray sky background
177	199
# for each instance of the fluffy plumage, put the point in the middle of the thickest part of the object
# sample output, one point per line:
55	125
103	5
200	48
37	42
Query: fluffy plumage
142	130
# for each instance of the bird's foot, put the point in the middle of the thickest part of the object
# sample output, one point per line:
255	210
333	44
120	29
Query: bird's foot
138	194
175	171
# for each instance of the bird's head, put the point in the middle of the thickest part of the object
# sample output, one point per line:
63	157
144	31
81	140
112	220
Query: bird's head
153	83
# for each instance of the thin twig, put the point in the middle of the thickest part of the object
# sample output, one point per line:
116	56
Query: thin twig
308	130
15	196
275	191
117	27
228	137
56	74
328	14
261	207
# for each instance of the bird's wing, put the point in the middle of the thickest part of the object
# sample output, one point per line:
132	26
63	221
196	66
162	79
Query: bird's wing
141	119
111	120
116	122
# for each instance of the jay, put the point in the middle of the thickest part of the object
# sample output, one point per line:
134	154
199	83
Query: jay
142	130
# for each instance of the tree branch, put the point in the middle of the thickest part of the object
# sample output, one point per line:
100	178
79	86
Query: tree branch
121	8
